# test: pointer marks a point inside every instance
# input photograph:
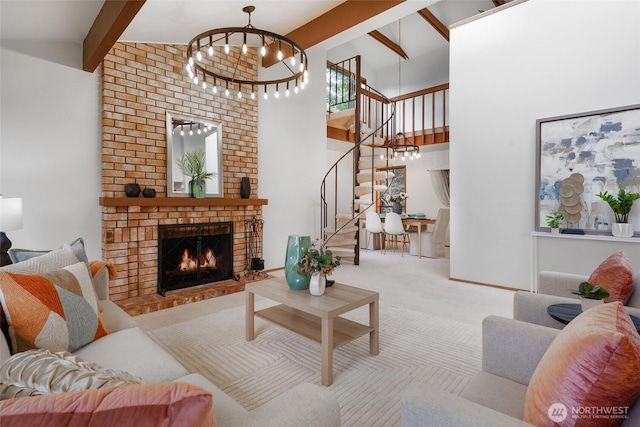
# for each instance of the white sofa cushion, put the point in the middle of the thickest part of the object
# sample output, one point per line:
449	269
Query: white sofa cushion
133	351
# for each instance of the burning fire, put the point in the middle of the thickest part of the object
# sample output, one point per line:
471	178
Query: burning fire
189	262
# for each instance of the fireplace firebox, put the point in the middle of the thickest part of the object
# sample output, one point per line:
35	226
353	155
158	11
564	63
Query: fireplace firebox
194	254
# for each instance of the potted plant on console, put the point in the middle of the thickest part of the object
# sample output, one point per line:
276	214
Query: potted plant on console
193	164
554	220
318	262
592	295
621	207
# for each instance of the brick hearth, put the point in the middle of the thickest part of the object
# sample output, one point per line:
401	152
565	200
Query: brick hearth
154	302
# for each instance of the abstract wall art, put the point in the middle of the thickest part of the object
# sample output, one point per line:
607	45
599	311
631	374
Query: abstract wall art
603	147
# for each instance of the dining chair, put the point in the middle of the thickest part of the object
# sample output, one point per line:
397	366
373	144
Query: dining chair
433	242
394	229
373	225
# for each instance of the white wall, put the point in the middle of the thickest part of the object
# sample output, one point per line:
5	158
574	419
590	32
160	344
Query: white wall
418	73
50	138
534	60
292	157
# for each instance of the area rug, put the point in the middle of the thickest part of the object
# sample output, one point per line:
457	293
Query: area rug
414	346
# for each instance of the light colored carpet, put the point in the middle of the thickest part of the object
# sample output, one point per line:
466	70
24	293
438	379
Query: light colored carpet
430	331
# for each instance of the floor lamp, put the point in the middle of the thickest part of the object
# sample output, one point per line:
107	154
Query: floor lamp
10	219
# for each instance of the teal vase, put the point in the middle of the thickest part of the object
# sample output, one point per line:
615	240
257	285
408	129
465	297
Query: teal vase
297	247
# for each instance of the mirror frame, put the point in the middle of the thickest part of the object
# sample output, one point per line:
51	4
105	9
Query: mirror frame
214	182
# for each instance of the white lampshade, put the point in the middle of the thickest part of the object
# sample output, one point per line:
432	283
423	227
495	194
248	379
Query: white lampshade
10	214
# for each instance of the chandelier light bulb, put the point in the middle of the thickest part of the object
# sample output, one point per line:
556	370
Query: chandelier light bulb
191	132
286	93
226	92
263	50
295	90
253	95
277	95
204	85
195	80
301	67
181	132
266	95
215	89
191	61
293	61
199	56
187	67
244	48
210	51
239	94
280	55
302	85
226	48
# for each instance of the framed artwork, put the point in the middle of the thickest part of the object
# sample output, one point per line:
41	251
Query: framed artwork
581	155
396	185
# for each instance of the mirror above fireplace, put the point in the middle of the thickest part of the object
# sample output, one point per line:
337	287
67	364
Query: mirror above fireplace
186	134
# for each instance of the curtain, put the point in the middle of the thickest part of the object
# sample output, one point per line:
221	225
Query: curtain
440	181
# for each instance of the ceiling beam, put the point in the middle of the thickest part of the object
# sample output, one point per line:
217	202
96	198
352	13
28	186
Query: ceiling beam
497	3
435	22
388	43
335	21
113	19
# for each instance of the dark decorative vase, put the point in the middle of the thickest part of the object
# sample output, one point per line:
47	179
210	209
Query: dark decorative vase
397	208
245	187
197	188
297	247
149	192
132	190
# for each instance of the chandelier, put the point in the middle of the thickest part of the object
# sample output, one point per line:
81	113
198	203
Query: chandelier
402	150
236	43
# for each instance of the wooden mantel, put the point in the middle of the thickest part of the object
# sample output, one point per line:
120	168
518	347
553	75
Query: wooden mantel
180	201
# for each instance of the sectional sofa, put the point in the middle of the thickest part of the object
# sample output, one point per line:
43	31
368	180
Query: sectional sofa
127	348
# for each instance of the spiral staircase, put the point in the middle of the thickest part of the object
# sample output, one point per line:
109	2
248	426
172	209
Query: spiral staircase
357	113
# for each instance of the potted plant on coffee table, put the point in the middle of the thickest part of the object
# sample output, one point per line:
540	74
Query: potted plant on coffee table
318	262
193	164
554	220
592	295
621	207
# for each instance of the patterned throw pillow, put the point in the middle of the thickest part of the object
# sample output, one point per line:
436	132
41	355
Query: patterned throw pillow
55	311
38	372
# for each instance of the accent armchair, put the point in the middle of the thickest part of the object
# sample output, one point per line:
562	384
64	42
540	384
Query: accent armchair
495	397
555	288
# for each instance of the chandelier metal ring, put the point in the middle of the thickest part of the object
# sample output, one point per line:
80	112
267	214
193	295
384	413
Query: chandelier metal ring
202	47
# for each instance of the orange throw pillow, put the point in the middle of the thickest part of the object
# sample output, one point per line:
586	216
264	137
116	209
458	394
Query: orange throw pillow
590	374
137	405
615	274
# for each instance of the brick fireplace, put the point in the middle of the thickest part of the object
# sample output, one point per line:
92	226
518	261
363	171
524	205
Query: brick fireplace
141	83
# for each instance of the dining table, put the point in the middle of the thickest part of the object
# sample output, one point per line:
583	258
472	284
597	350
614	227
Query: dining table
409	221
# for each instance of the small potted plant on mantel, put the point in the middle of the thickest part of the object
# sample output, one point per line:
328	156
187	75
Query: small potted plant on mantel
621	207
554	220
592	295
193	164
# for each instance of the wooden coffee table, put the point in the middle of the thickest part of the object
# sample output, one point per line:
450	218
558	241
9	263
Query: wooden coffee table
315	317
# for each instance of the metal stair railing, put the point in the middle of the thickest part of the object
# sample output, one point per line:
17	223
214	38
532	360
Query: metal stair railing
346	90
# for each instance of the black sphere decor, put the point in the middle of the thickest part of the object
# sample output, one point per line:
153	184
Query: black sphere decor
245	187
132	190
149	192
